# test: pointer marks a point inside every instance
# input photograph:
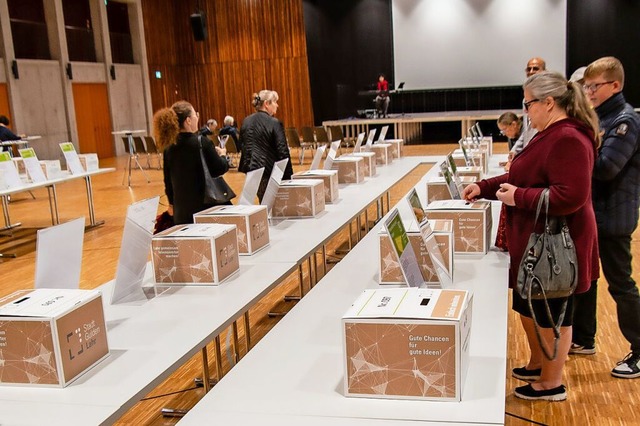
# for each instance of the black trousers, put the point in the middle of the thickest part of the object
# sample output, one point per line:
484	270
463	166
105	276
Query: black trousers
615	257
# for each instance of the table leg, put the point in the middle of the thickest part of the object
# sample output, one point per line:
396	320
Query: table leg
218	357
92	215
5	211
247	330
236	347
53	204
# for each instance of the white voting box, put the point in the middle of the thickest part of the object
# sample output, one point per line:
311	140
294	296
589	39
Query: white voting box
437	188
49	337
408	343
252	223
471	223
195	254
52	169
89	162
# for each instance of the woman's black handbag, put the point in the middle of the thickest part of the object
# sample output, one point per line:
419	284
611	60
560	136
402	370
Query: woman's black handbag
549	268
216	190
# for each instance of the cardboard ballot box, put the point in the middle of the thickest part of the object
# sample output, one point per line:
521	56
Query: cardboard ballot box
407	344
474	172
19	163
350	169
49	337
396	147
471	223
195	254
370	166
383	153
251	222
89	162
437	188
330	178
51	169
299	198
480	158
390	272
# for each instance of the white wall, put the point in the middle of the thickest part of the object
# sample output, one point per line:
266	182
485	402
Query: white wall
475	43
127	101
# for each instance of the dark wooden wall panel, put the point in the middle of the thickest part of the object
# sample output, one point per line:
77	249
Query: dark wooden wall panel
251	45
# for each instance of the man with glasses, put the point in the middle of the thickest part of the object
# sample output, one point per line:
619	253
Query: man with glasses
616	199
534	66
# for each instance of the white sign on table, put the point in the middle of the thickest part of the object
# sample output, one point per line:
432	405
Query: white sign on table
59	255
333	151
31	163
10	175
134	250
275	180
250	188
315	164
71	156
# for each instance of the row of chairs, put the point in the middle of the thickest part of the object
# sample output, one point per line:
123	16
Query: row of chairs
312	137
143	145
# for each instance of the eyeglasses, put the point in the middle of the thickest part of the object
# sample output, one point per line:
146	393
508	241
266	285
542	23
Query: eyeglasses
593	87
526	104
527	69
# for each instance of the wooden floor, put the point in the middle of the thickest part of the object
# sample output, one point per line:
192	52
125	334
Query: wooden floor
594	396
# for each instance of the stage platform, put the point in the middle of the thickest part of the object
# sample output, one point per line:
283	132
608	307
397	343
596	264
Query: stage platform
409	126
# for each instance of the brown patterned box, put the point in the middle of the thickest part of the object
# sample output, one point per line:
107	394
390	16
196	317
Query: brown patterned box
370	166
437	188
330	178
299	198
474	172
471	223
51	169
480	158
396	147
390	272
350	169
251	221
49	337
22	169
407	344
383	153
196	254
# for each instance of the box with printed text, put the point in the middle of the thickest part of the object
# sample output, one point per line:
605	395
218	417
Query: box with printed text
383	153
195	254
437	187
471	223
330	178
251	222
49	337
407	344
299	198
370	162
350	169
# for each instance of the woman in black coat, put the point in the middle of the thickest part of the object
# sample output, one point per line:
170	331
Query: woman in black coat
176	129
262	139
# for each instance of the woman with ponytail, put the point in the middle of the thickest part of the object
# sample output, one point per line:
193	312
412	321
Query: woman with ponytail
175	129
560	157
262	139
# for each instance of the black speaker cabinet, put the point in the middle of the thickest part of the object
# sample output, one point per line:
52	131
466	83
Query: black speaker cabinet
199	26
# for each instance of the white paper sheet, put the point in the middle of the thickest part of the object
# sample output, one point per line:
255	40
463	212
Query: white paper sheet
315	164
10	174
250	188
275	179
59	255
31	163
71	156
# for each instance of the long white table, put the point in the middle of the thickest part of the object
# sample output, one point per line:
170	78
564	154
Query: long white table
50	184
150	340
297	371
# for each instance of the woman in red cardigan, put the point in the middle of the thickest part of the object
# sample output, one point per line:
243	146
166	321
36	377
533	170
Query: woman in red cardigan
560	157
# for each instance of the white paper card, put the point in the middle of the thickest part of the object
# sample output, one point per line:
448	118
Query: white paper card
10	174
223	140
333	151
59	255
31	163
358	145
71	156
367	146
383	133
250	188
315	164
134	250
274	184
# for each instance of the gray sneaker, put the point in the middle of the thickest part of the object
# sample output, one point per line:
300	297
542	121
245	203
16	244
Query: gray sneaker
628	368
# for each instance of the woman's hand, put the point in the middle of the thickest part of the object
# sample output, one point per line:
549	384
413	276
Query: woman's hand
507	194
471	192
170	209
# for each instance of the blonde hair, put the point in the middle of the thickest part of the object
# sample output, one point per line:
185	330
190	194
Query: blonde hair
167	122
610	67
258	99
508	117
228	121
568	95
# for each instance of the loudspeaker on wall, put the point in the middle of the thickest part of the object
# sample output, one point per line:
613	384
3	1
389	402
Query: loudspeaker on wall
199	26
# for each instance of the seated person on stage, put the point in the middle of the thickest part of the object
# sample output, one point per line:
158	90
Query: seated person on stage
5	133
382	100
231	130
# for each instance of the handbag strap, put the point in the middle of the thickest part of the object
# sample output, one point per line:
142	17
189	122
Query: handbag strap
544	199
555	325
205	168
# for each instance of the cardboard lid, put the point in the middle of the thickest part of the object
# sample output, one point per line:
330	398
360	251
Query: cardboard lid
43	303
409	303
235	210
195	230
441	225
302	182
317	172
346	159
457	205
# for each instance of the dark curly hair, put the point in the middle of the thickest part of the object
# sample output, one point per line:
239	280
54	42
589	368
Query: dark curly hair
167	122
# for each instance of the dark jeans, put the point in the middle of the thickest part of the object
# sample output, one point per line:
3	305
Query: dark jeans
615	256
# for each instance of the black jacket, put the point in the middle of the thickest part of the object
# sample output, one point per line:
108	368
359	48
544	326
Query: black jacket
616	174
184	176
263	143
